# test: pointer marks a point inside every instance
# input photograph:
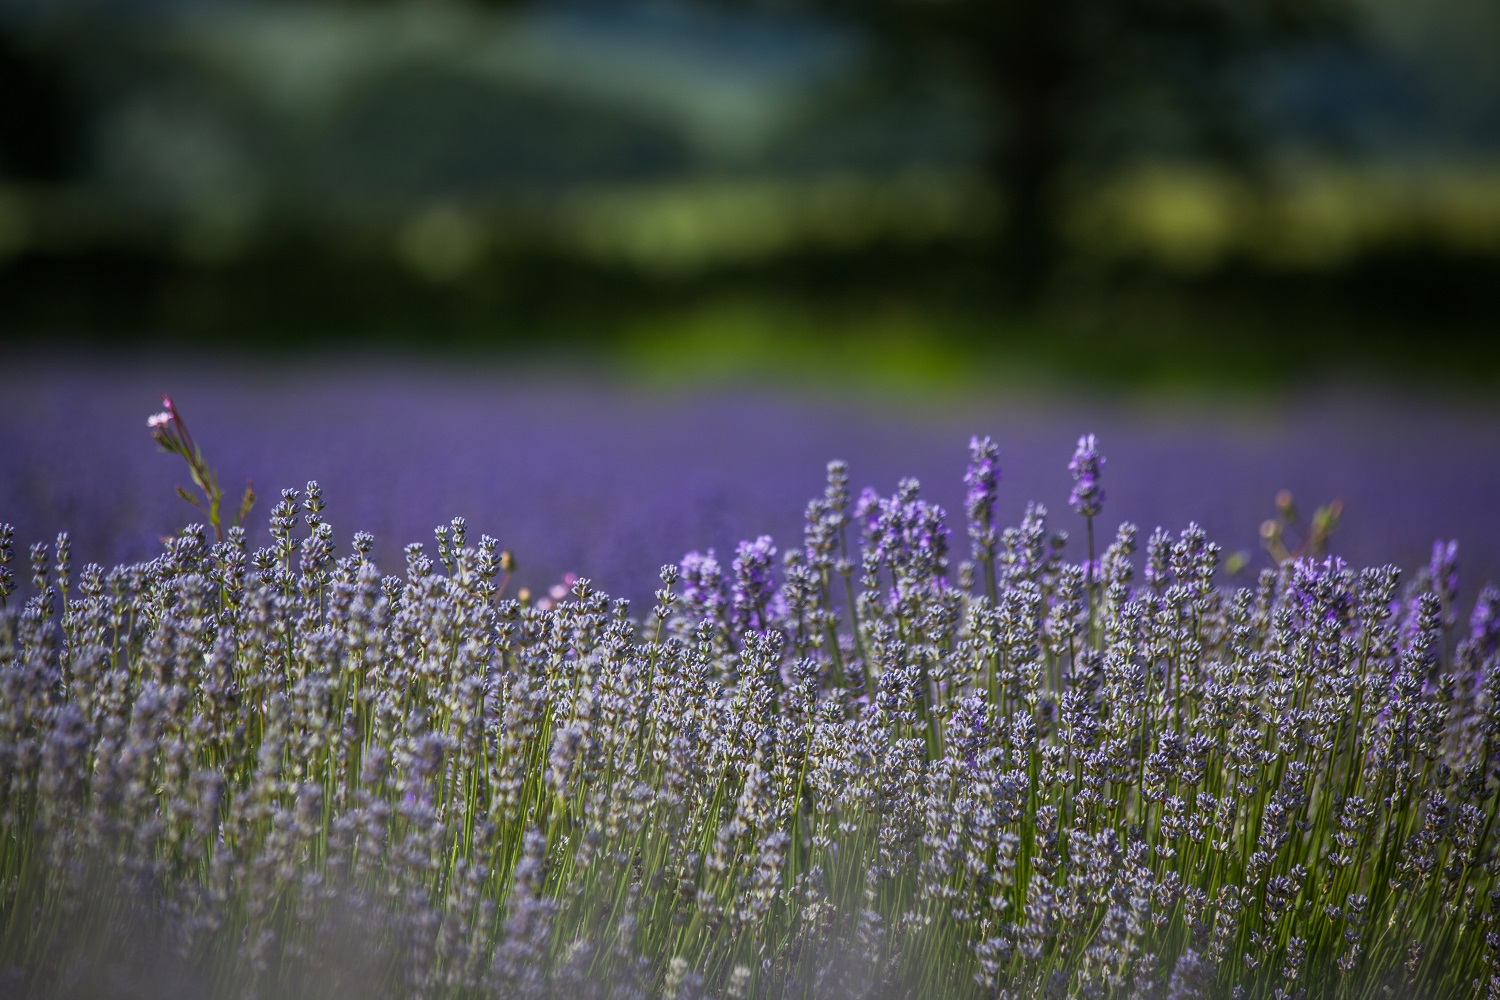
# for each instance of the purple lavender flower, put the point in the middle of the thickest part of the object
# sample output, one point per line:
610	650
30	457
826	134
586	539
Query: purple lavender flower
1484	623
753	590
1087	497
981	477
1444	572
7	577
1476	659
867	509
1321	590
703	586
826	517
908	534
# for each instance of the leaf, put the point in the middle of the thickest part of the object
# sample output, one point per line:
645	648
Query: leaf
190	499
246	503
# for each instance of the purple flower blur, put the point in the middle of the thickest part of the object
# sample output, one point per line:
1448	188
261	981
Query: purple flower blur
684	470
982	477
1087	497
1444	572
1484	623
703	585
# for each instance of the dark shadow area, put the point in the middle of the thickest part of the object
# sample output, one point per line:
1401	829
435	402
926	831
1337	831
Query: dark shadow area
1150	194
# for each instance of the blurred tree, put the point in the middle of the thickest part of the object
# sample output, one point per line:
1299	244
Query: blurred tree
1069	86
38	116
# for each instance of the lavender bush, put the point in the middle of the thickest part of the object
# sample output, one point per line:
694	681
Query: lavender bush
854	768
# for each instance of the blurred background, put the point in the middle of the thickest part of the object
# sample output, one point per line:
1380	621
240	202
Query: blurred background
1132	191
514	259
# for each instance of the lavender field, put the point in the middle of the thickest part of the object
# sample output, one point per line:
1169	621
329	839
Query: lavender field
729	500
609	480
923	739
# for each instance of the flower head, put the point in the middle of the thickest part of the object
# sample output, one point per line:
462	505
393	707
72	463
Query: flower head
981	477
1484	623
168	430
908	534
703	586
1444	572
1087	497
753	589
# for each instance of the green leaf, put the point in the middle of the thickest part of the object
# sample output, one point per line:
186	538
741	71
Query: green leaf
246	502
190	499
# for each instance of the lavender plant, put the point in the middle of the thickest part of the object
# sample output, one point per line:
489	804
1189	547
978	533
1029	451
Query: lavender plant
846	768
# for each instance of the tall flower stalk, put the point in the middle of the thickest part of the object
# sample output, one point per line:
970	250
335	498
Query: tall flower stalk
171	433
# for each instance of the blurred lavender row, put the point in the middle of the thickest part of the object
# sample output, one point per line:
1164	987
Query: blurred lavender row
610	481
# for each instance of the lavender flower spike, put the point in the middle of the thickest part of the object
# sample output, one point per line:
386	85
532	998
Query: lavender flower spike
1087	497
981	478
703	586
1444	572
753	589
1484	623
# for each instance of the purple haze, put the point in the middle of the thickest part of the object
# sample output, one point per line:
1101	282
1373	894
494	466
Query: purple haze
611	481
